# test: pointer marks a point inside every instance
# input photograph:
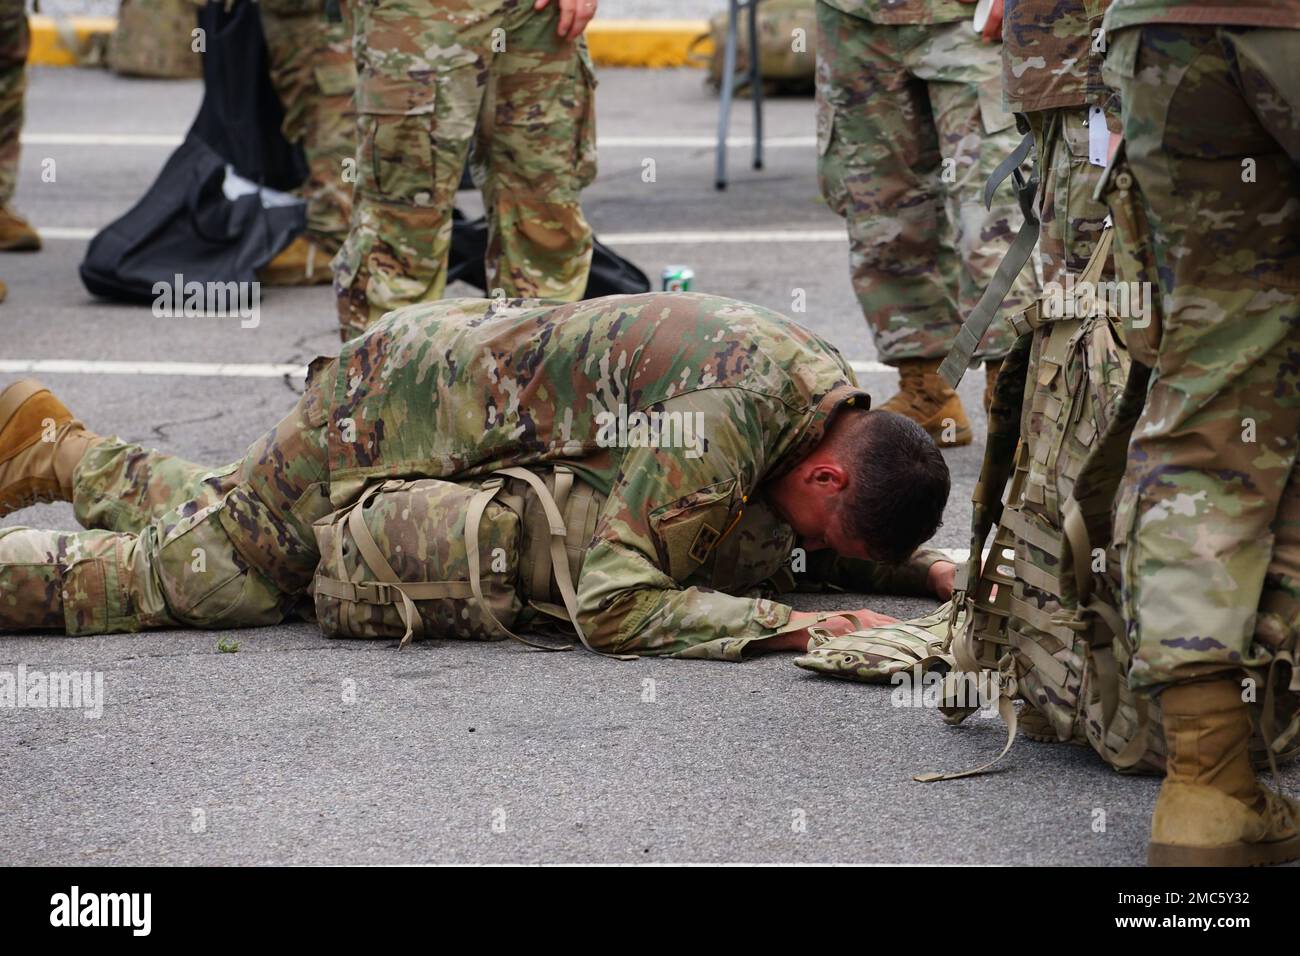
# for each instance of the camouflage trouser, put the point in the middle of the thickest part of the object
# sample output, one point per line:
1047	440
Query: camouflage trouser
176	543
313	73
909	127
1071	218
427	74
14	41
1208	204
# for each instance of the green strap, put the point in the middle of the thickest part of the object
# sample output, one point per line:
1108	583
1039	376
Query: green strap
1006	167
986	310
1007	711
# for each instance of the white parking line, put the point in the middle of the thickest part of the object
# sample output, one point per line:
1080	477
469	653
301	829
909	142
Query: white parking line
191	369
210	369
603	142
719	236
674	238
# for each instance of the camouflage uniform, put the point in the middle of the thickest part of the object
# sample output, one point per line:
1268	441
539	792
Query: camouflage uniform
427	74
313	73
1207	204
455	390
14	42
910	124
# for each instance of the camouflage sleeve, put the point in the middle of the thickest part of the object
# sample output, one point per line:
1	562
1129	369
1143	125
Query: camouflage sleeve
827	569
668	507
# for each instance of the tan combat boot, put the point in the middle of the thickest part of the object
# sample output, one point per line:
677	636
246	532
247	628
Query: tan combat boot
991	369
302	262
40	446
927	399
1211	810
16	233
4	291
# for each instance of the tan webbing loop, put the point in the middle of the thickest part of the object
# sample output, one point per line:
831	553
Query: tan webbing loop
1007	711
473	522
559	557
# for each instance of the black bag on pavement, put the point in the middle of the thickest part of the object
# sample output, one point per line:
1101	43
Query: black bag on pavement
186	224
611	274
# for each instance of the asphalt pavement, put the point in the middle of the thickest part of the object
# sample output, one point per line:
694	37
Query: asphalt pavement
299	749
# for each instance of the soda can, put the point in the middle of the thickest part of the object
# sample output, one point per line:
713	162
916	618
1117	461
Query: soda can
677	278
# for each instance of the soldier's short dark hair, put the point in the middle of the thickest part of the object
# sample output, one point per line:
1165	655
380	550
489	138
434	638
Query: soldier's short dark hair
899	485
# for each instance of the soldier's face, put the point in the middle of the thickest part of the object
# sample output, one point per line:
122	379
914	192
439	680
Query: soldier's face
807	499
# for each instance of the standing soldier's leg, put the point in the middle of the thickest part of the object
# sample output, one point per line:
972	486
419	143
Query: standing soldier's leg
421	67
963	77
1213	152
239	554
15	233
879	167
314	75
534	153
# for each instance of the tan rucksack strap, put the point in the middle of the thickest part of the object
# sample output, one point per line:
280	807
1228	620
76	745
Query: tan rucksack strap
1007	711
1035	317
552	507
473	522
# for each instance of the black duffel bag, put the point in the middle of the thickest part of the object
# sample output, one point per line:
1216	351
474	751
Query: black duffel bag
186	224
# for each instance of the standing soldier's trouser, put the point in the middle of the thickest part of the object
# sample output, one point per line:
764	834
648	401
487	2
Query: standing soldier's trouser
1208	508
427	74
909	127
314	76
180	544
1071	218
14	42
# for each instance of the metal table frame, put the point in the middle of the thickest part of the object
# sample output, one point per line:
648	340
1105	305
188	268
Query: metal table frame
729	80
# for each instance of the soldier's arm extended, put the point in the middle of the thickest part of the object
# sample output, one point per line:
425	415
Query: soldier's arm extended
666	510
826	569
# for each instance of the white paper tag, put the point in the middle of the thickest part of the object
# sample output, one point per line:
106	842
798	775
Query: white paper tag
1098	136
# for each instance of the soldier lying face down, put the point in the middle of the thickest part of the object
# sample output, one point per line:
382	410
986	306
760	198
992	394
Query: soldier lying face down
725	453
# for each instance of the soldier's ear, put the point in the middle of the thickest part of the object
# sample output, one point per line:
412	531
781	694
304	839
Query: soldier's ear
829	476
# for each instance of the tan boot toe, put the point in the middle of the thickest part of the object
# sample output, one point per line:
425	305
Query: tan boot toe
40	446
302	262
928	400
16	233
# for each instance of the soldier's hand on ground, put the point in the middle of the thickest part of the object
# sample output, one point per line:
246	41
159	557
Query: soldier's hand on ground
846	623
943	574
574	16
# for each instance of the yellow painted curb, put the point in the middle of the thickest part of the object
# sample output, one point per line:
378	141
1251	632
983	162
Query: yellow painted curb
646	42
612	42
48	46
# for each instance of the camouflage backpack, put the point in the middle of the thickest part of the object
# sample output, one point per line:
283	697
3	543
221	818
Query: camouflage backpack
786	43
467	560
154	38
1040	612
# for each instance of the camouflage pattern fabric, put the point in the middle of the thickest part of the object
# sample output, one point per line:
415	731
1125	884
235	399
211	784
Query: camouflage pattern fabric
1245	13
910	124
906	11
1210	194
440	81
174	543
155	38
1051	53
1071	218
876	654
314	76
14	42
716	396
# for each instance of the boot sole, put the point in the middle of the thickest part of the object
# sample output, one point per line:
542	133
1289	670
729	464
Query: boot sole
1234	854
21	245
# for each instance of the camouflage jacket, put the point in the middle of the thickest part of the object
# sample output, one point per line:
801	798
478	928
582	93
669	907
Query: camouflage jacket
677	407
1052	53
905	11
1243	13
